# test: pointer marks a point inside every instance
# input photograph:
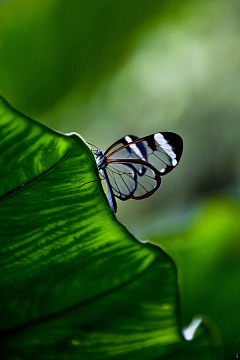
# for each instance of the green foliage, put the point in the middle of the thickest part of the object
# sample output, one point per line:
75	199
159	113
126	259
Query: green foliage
50	47
74	282
207	255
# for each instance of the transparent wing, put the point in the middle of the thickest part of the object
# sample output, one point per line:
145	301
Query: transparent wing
161	150
126	182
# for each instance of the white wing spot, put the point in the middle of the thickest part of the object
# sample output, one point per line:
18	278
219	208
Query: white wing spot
128	139
134	147
162	142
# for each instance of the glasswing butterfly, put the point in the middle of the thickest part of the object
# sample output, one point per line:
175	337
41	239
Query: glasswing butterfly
132	167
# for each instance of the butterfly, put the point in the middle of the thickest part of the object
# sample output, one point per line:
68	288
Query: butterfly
132	167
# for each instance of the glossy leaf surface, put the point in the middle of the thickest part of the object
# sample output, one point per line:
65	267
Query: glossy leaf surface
74	282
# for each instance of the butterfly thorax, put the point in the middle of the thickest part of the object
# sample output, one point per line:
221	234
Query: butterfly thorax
101	159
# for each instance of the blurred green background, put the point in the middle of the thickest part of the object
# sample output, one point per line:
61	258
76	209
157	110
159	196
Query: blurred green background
109	68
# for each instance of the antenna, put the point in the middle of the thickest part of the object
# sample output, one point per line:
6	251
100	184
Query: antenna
90	182
93	145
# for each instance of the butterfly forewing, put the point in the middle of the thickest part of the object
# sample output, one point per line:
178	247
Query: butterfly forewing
162	150
122	149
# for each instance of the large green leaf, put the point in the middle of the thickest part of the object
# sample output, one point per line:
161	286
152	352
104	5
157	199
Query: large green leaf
75	284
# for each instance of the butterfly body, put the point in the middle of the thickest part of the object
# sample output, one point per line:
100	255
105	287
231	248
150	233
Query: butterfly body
101	159
132	167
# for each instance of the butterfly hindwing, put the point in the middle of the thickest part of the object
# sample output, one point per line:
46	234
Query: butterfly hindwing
126	182
122	179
